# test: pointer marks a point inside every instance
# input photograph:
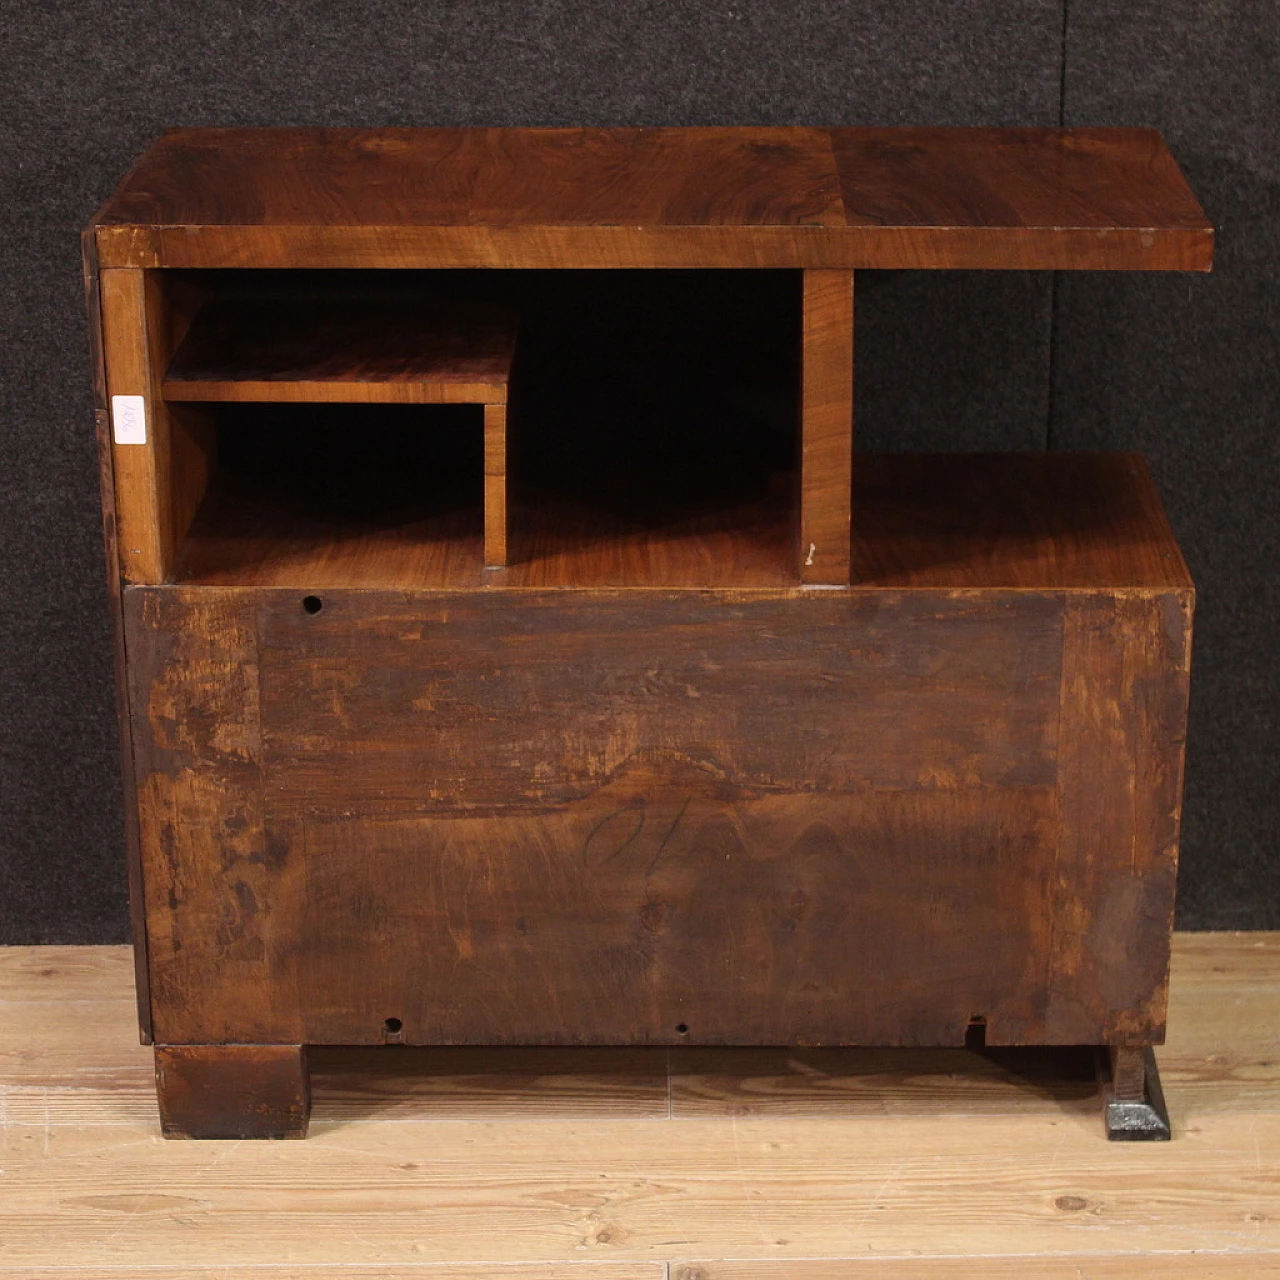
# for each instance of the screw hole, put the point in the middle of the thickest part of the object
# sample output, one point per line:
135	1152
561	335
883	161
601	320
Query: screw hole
392	1026
682	1028
312	604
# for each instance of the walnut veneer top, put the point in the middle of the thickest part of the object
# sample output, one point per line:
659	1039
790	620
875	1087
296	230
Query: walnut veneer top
688	197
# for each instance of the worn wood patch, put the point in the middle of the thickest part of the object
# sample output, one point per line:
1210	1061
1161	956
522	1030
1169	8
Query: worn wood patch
392	705
657	817
673	905
1125	669
222	902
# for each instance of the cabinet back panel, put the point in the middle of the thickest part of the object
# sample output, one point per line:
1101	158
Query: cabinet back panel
639	817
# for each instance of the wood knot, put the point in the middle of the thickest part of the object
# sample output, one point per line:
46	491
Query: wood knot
653	914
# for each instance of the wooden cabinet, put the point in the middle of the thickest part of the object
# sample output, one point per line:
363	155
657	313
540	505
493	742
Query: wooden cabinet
490	675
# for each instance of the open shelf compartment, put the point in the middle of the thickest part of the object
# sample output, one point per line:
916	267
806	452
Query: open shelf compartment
320	429
349	350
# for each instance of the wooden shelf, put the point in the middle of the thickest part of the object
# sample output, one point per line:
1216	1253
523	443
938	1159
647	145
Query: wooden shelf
353	352
344	351
1035	522
1051	522
241	539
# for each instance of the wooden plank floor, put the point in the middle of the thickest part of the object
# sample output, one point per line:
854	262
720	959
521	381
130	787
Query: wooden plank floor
649	1165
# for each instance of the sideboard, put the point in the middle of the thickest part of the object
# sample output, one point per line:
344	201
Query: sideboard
445	722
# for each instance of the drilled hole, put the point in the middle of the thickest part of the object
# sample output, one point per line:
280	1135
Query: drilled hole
682	1028
392	1026
312	604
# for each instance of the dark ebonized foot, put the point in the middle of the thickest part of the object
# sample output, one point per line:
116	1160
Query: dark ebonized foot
1134	1109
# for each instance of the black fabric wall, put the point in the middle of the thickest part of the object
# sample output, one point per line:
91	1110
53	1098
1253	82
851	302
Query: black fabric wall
1186	368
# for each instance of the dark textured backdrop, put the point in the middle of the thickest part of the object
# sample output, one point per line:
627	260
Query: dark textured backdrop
1185	368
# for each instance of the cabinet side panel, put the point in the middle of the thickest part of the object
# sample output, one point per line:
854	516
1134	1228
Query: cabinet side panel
1124	714
163	470
141	475
223	914
102	426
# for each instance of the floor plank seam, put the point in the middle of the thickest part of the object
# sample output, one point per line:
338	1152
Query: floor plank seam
663	1267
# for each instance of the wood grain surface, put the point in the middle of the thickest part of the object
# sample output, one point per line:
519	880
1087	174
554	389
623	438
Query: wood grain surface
143	512
206	863
669	817
244	537
496	506
826	427
752	924
605	1165
160	483
487	177
1000	197
233	1091
1218	1266
268	350
672	803
1125	671
762	197
540	700
1037	522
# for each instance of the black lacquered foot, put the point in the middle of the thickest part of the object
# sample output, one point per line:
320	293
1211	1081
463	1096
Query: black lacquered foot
1134	1110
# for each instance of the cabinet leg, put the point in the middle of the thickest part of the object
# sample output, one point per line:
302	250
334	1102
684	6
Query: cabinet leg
1135	1109
233	1090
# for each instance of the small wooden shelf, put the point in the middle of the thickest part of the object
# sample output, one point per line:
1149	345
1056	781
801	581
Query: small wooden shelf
352	352
344	351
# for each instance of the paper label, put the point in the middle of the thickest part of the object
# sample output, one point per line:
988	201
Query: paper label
129	419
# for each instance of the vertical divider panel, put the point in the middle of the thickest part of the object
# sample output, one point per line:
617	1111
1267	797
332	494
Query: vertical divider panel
495	486
163	465
162	456
141	457
826	427
172	300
